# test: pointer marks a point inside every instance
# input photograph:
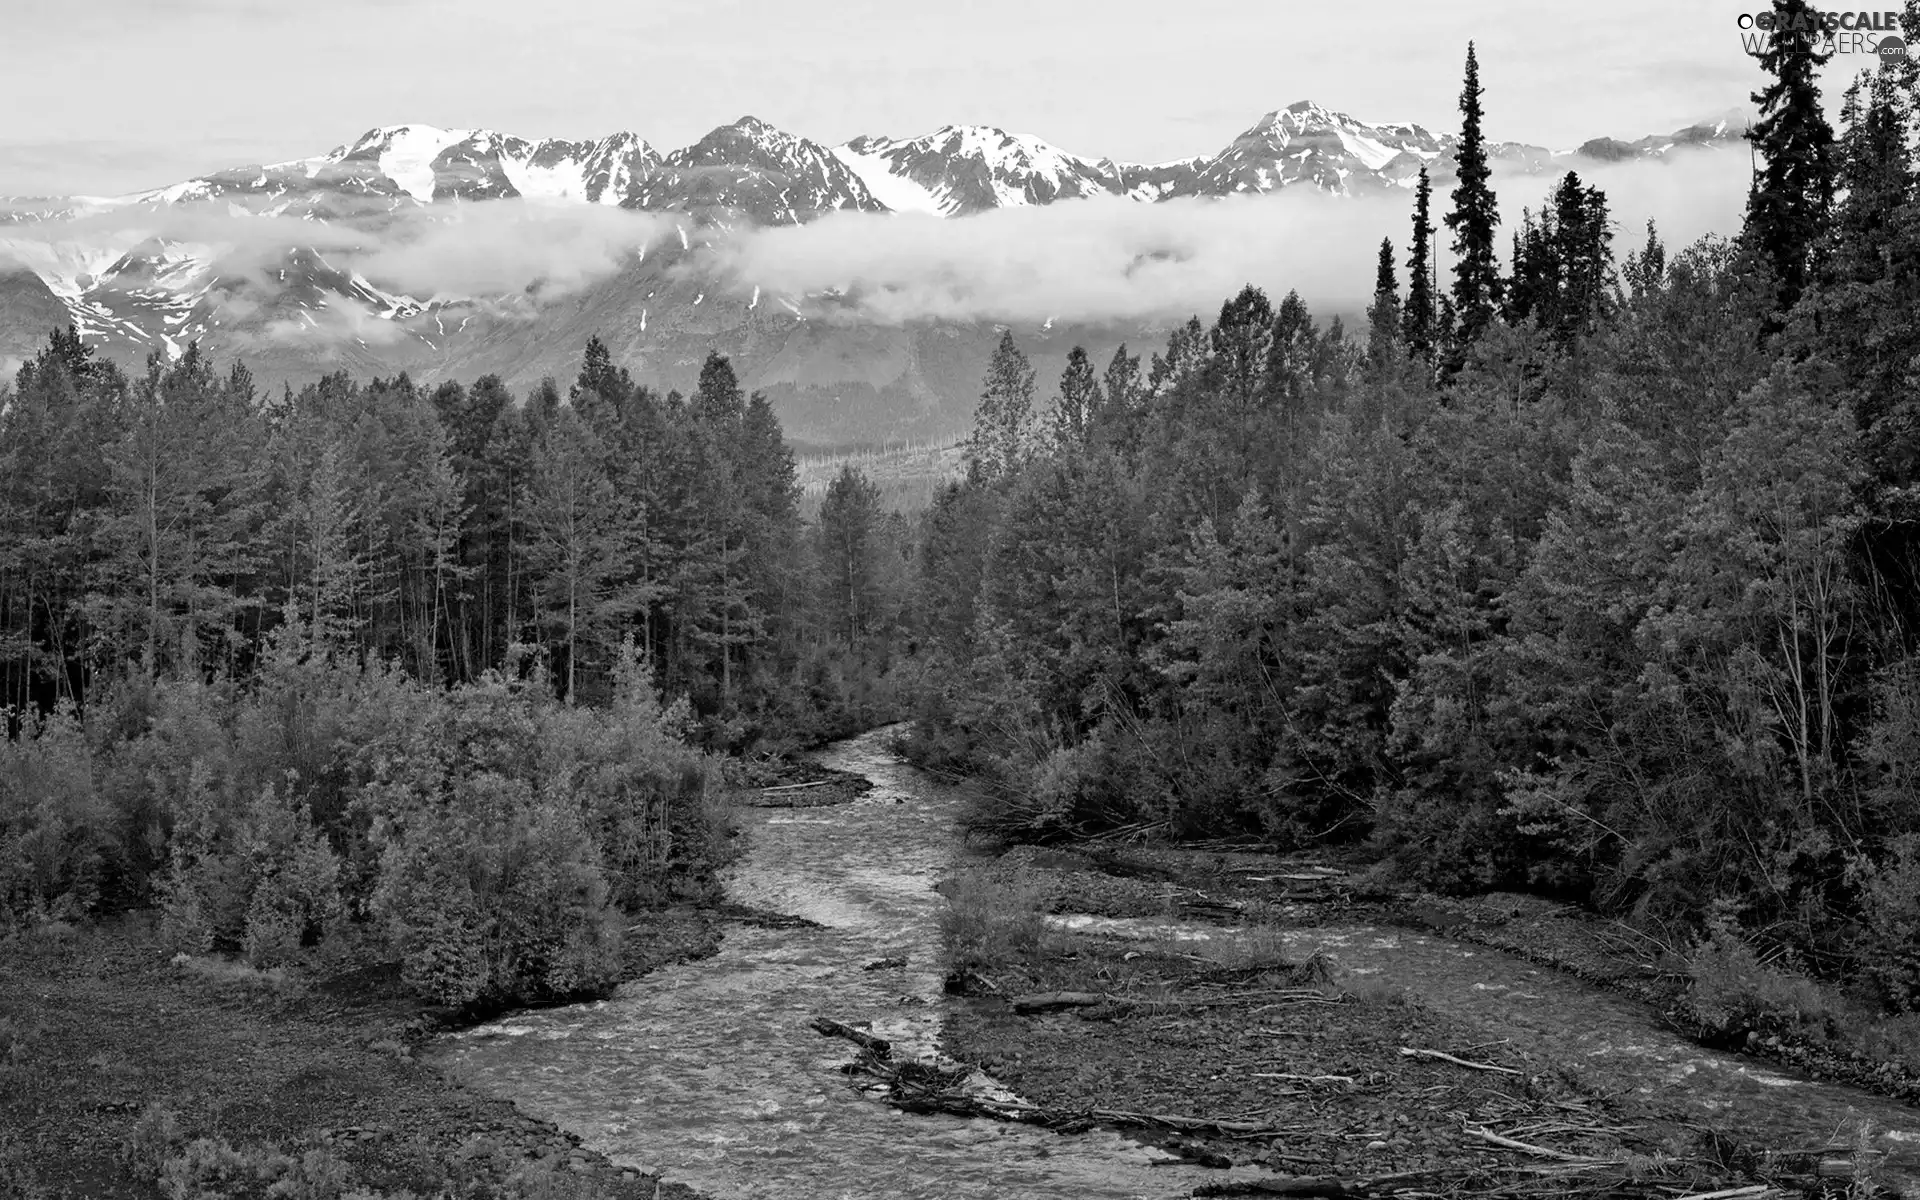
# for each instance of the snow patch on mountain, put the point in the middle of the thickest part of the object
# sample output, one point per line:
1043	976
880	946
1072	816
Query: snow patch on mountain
901	193
405	154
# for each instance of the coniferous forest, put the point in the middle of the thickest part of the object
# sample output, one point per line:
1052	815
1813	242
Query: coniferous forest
1593	573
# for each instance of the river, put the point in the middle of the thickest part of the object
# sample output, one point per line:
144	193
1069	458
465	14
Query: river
707	1073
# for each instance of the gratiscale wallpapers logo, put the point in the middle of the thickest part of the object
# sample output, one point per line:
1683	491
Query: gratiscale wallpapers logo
1870	33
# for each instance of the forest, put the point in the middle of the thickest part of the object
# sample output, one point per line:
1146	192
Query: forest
1590	572
1593	576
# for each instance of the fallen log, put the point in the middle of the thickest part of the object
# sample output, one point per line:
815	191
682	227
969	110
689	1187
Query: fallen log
1048	1001
794	787
877	1046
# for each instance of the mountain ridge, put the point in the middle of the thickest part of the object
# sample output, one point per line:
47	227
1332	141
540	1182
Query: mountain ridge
153	270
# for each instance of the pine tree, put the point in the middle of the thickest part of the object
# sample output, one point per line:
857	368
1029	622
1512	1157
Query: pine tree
1383	316
1002	429
1121	396
581	542
1079	404
1243	343
1419	322
1791	197
1874	173
602	389
849	548
1476	269
1563	264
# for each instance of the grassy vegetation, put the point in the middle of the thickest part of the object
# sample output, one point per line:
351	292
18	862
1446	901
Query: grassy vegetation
991	920
129	1072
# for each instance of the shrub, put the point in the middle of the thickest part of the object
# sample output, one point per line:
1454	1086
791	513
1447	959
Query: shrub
492	889
151	1142
265	882
991	919
1889	948
1733	990
58	836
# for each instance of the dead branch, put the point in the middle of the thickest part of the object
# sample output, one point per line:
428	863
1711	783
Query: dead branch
877	1046
1487	1135
1410	1052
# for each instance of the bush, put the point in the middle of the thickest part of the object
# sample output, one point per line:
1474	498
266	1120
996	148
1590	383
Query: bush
1889	950
59	838
991	919
151	1142
492	887
265	883
1733	990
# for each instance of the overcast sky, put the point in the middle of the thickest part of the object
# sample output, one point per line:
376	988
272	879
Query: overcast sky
106	96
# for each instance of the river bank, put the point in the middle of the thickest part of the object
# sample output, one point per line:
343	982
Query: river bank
1219	1008
101	1025
1196	959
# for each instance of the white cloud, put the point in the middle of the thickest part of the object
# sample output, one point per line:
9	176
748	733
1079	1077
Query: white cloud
1111	259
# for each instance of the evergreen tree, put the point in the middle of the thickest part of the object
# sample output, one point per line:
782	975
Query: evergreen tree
1476	269
849	533
1383	316
1419	322
1079	405
1243	342
581	544
1791	196
1002	425
1563	264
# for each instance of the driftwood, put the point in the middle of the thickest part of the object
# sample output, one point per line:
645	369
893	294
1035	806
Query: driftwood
1487	1135
920	1087
1048	1001
1410	1052
876	1046
1294	1185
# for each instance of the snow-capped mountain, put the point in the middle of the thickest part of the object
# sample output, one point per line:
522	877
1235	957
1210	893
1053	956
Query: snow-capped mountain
270	262
421	164
962	169
752	170
1305	143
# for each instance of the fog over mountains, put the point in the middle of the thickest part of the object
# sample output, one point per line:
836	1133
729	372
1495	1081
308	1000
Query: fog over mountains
860	284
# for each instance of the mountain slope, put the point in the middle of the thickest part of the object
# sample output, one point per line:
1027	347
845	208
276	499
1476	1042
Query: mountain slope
331	262
962	169
753	170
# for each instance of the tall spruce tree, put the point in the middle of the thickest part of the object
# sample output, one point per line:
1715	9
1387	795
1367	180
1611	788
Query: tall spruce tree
1476	268
1418	322
1383	316
1563	264
1079	405
1002	425
1791	196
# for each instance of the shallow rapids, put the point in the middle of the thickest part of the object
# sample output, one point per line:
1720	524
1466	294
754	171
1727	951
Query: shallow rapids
707	1073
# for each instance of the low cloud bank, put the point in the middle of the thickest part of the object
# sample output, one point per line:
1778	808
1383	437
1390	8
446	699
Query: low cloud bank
1092	261
1108	259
